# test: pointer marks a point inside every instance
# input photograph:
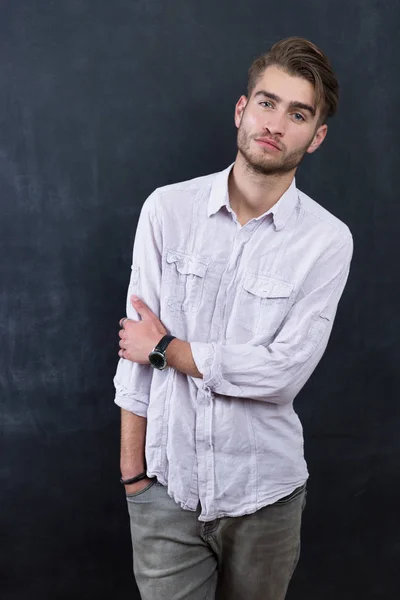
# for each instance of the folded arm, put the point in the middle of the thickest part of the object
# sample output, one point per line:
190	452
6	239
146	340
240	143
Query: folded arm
275	372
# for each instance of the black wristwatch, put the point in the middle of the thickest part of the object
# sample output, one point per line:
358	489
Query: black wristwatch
157	356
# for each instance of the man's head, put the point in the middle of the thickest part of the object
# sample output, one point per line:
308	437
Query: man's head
292	90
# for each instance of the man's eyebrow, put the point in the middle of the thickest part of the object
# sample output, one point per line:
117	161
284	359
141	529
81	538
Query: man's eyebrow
293	104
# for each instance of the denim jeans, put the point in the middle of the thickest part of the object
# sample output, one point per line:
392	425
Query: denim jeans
177	557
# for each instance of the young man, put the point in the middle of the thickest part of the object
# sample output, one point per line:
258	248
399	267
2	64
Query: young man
246	272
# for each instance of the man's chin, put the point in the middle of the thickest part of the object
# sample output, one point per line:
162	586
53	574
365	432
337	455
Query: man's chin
266	167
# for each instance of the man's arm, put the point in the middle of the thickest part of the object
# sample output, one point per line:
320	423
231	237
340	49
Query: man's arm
277	372
133	438
132	381
179	356
273	372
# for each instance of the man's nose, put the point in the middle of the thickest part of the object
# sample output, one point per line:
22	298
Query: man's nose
276	123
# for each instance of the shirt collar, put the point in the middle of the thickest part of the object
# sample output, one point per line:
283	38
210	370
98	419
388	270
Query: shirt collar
219	192
281	211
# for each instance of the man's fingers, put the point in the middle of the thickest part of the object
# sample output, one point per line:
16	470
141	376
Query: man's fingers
122	321
142	308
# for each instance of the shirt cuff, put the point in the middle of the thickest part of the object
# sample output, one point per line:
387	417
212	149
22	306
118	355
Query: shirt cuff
207	358
133	402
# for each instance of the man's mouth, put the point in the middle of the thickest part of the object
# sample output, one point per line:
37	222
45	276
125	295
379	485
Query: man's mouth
268	143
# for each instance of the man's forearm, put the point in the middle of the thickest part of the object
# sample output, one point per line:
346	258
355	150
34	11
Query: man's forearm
133	439
179	356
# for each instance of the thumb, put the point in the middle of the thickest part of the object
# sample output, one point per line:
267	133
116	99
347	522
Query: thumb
142	308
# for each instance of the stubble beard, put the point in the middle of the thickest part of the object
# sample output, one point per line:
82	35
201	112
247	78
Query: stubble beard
266	165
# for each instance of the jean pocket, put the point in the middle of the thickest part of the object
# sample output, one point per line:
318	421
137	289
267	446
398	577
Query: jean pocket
292	496
184	280
263	303
142	491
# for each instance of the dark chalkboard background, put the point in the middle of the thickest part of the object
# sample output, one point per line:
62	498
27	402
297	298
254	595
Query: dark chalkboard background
101	102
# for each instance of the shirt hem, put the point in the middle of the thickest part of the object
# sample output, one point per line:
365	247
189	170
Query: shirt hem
253	508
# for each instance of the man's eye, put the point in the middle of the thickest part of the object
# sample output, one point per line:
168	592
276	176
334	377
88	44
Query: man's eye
298	117
266	102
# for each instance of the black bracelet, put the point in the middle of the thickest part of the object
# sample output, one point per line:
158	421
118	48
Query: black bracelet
134	479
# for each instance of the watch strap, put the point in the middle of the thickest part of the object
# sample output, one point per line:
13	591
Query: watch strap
163	343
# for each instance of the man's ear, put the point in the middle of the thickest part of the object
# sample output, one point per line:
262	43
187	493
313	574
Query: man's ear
239	110
319	137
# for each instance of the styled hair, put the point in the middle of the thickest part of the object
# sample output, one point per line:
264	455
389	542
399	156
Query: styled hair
299	57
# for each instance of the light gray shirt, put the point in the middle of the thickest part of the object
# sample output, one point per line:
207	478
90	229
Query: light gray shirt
257	303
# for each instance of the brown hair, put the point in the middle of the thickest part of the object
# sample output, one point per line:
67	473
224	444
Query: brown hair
299	57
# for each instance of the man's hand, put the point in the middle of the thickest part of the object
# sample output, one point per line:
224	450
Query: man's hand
138	338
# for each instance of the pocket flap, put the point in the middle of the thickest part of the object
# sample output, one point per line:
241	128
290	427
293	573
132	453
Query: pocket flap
267	287
187	264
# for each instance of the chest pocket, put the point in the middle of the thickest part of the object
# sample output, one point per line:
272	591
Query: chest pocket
184	280
263	303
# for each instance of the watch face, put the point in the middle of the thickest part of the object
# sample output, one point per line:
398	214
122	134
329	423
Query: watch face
157	360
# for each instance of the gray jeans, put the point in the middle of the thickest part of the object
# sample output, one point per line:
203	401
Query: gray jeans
178	557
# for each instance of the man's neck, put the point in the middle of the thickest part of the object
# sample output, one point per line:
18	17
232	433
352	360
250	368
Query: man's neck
251	194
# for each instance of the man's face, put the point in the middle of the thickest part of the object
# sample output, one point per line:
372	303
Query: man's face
278	124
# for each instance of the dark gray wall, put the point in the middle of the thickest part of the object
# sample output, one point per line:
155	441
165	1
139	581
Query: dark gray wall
101	102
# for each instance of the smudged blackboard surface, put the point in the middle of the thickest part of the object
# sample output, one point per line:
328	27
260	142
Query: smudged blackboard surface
101	102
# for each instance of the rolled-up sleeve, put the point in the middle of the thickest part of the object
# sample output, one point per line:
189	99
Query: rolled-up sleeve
132	381
276	372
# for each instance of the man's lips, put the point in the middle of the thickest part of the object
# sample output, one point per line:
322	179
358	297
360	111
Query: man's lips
268	143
